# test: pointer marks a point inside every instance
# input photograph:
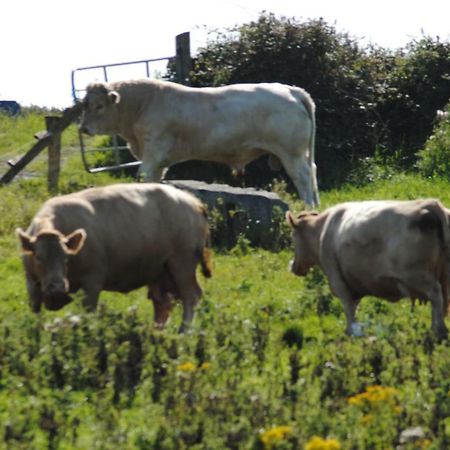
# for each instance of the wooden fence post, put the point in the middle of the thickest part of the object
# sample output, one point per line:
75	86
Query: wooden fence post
54	152
183	57
44	140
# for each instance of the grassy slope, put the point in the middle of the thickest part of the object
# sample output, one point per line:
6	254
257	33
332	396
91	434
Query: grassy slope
65	386
17	134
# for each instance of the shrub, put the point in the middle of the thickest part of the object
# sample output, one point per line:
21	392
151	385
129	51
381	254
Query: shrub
372	169
293	336
369	100
434	159
417	86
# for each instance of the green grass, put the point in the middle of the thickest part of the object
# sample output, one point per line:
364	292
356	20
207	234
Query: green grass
109	380
17	133
401	186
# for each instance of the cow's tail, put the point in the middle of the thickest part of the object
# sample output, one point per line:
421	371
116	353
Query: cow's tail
310	106
205	257
206	263
438	210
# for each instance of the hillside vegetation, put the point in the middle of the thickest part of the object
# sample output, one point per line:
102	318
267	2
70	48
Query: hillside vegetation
266	365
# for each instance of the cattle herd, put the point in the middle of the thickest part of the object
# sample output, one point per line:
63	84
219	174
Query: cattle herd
126	236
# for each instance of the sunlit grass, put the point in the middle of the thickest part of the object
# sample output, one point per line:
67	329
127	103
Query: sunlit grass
71	379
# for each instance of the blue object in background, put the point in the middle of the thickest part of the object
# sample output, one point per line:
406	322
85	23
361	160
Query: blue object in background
10	106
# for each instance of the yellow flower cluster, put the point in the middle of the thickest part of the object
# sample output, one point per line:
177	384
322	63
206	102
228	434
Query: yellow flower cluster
186	367
191	367
367	419
318	443
373	395
273	435
424	443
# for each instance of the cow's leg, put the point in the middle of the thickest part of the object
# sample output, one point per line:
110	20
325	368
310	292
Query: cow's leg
331	266
183	272
92	289
34	294
150	173
445	283
162	303
155	158
432	290
190	295
302	176
349	303
437	308
340	289
315	185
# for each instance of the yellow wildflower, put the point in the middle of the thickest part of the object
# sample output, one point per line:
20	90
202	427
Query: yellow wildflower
376	394
373	395
273	435
205	365
318	443
424	443
356	400
367	419
186	367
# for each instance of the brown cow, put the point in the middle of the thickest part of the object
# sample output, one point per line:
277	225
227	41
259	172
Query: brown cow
118	238
165	123
388	249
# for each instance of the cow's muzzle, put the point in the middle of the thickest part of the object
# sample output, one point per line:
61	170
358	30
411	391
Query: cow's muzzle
56	301
56	286
56	294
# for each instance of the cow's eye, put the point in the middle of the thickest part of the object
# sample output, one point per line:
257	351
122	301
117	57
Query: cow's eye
99	108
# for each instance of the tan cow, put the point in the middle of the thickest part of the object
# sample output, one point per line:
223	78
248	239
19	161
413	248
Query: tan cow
118	238
388	249
165	123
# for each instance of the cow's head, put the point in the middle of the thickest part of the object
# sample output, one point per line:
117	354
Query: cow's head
306	241
49	251
99	110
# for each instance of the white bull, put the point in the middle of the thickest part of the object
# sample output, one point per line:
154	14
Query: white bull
165	123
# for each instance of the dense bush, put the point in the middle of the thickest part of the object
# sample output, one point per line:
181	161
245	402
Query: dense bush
369	100
416	87
434	159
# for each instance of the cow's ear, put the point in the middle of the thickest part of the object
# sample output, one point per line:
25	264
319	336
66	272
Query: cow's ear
114	97
291	220
74	241
26	241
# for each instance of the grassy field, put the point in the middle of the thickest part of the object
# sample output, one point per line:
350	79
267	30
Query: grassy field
266	366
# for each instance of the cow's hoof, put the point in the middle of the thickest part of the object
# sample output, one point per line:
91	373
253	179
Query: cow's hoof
442	334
